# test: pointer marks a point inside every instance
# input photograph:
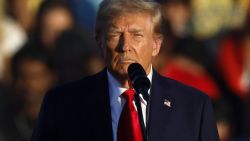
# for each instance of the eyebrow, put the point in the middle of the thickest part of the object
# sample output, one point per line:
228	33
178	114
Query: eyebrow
114	29
137	30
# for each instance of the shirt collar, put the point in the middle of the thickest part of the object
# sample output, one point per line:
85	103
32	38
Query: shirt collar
115	88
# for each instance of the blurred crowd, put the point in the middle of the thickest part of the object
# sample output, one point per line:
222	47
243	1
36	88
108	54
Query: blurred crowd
44	43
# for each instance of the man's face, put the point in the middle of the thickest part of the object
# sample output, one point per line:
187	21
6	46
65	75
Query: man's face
35	78
129	39
54	22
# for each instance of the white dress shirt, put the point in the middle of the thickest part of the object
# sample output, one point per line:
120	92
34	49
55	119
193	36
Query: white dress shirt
117	101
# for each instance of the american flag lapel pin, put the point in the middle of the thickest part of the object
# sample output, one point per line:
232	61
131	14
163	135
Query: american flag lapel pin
167	103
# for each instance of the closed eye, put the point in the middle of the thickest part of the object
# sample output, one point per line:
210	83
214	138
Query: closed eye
138	34
113	35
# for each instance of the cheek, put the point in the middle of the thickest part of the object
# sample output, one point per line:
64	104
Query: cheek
111	44
145	50
108	54
145	54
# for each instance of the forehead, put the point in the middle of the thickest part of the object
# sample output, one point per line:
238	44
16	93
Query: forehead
130	20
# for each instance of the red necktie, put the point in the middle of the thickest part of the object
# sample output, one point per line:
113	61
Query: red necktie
129	126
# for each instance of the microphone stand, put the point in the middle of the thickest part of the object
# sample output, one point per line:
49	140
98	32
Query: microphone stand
139	111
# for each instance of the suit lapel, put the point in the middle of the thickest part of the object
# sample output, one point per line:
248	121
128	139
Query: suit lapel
103	112
159	113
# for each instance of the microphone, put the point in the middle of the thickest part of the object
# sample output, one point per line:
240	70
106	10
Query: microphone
141	84
139	79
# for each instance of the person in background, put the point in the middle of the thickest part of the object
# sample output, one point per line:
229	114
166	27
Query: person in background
23	11
76	55
4	101
225	112
12	37
33	74
85	13
177	25
53	17
188	65
177	17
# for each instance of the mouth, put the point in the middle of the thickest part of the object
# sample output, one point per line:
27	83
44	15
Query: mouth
126	61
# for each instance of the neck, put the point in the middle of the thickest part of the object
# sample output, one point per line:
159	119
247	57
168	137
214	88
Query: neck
124	81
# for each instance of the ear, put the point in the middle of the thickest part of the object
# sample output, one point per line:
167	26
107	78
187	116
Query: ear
157	45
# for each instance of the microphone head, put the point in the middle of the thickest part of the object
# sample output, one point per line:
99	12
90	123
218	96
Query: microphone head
138	77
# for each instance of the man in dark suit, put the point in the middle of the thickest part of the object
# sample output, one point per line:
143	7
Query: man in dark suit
127	31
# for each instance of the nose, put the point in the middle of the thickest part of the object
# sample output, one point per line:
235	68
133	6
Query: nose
124	43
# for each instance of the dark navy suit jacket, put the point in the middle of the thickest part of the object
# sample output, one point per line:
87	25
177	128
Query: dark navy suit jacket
80	111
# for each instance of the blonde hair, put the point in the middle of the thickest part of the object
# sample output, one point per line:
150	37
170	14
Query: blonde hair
110	9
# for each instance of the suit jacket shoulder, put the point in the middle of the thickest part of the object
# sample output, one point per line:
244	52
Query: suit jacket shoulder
76	111
179	112
182	90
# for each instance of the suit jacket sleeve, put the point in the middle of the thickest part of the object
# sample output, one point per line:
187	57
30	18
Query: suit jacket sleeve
45	129
208	127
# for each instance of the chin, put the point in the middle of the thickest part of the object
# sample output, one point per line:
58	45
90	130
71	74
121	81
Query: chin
120	71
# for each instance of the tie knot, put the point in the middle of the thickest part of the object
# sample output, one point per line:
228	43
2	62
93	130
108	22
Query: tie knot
129	94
